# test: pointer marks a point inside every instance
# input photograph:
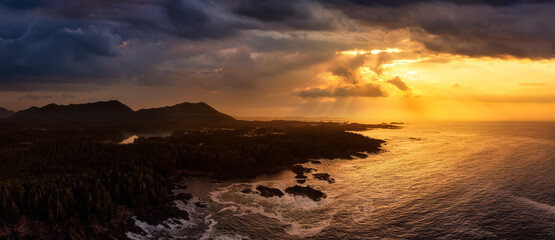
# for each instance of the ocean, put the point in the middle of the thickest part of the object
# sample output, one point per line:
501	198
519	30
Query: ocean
447	180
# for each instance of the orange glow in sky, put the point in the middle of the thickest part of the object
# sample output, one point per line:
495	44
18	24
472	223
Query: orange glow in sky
386	61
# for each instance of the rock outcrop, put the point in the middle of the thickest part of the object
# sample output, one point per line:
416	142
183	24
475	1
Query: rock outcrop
307	192
324	177
269	192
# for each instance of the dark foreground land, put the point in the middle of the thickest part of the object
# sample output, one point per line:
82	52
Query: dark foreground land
78	182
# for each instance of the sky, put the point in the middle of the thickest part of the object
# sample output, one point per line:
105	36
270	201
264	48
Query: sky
382	60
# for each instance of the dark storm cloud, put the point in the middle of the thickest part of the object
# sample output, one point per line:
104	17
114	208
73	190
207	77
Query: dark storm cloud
87	40
520	29
292	14
269	10
19	4
400	3
185	19
51	41
365	90
51	47
84	40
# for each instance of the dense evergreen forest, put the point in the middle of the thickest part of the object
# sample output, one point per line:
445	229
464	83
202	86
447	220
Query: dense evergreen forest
84	176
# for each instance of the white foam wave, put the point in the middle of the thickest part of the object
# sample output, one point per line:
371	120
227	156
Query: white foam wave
169	226
230	208
233	237
211	223
542	206
273	208
298	230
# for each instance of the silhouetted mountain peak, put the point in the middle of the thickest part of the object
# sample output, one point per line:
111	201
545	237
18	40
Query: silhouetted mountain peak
114	110
186	111
52	105
5	113
187	106
96	111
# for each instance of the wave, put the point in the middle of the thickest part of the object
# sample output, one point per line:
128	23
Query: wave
538	205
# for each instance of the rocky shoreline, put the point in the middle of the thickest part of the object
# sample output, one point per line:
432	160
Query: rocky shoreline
160	215
163	215
169	212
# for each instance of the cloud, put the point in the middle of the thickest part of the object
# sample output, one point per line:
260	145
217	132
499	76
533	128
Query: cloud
32	97
270	11
519	29
315	93
144	42
286	14
35	97
43	49
53	47
348	68
401	3
367	90
194	20
101	41
239	70
397	82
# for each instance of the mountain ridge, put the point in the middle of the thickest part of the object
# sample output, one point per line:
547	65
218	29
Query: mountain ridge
6	113
114	110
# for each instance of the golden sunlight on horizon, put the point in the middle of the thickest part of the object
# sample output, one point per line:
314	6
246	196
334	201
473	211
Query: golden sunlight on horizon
436	87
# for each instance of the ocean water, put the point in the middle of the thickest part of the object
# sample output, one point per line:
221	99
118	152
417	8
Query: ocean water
431	181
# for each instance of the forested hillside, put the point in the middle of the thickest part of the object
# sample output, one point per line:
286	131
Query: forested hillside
80	176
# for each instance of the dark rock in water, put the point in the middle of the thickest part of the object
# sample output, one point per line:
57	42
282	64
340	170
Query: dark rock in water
315	162
157	214
246	190
172	221
301	180
300	171
307	192
180	185
360	155
183	196
324	176
201	204
269	192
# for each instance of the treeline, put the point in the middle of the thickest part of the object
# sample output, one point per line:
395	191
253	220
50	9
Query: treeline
75	181
69	180
20	136
247	153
